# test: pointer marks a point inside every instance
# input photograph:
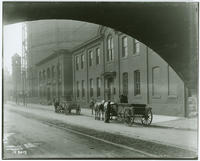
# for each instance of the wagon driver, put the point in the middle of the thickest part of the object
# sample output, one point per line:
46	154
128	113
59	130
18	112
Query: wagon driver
107	119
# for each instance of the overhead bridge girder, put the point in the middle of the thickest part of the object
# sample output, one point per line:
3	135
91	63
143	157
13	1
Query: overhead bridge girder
170	29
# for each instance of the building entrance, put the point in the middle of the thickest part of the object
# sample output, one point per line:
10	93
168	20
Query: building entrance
110	91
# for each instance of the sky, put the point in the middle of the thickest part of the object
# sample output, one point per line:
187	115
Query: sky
12	43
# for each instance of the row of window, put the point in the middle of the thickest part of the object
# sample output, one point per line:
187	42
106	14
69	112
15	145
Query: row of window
47	92
91	86
156	83
110	47
98	85
137	83
50	73
110	52
90	59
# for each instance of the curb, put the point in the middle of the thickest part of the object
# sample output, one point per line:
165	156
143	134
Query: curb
156	125
148	140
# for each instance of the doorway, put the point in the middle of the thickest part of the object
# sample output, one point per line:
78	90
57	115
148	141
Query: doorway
110	87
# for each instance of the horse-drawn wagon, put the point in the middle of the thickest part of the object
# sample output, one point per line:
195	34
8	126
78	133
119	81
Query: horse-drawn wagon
126	112
66	107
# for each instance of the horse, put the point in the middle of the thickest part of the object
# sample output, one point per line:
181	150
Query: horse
111	111
99	108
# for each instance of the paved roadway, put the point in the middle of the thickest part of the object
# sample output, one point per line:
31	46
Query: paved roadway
40	133
29	138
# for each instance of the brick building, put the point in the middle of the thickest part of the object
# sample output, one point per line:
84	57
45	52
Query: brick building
113	63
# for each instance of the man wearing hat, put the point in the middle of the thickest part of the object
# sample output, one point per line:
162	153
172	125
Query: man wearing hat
107	113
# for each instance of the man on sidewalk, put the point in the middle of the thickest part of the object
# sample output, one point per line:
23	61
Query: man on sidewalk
107	113
92	102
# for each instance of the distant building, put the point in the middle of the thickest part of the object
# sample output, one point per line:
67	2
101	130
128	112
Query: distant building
7	85
16	76
47	36
55	77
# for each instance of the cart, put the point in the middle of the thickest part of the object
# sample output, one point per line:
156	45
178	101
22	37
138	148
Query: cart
128	112
67	107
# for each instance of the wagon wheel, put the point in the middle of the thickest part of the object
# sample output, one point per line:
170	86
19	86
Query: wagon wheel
66	109
147	118
106	116
128	117
56	109
59	109
62	108
79	110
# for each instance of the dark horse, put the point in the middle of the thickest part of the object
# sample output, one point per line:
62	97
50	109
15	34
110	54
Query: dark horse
92	102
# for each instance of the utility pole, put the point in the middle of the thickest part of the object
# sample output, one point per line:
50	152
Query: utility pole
24	63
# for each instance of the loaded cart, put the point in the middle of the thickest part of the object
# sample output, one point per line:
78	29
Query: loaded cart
128	112
67	107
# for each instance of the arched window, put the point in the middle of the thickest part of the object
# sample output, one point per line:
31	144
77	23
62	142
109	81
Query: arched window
124	46
77	62
136	47
90	58
82	61
109	48
97	56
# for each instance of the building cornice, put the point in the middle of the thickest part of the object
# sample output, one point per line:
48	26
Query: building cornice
94	39
52	56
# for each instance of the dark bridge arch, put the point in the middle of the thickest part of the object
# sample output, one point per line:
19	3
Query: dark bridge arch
170	29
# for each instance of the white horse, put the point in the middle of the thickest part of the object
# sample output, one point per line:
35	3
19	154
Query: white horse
99	110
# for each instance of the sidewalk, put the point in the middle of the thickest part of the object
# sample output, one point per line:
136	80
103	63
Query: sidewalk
165	121
181	123
172	131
